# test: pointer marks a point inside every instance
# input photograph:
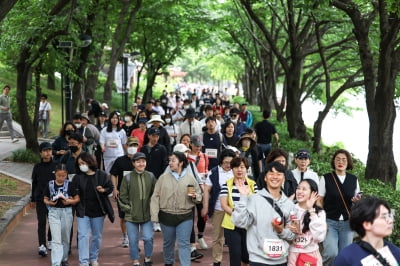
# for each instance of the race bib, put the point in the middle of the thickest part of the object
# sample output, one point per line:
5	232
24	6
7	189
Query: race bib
274	248
385	252
112	143
211	153
302	241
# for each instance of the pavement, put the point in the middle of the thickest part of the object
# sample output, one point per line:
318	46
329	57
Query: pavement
18	228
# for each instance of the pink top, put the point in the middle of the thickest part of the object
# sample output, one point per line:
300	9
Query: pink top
308	242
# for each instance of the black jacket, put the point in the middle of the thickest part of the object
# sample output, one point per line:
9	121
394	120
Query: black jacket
42	173
80	181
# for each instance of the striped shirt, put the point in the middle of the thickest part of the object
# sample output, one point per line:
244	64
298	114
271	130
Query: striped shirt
235	192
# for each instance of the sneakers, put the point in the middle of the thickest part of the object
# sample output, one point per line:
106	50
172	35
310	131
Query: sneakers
14	140
156	227
42	251
217	264
125	242
194	255
148	263
49	245
64	263
94	263
202	243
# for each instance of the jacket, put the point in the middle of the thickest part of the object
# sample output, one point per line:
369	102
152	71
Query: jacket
170	195
135	194
255	213
80	181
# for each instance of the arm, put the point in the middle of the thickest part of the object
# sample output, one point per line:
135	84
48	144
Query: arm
206	199
114	181
123	198
318	226
155	201
224	205
242	216
34	185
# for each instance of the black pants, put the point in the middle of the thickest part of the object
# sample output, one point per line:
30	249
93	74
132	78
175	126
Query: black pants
236	240
41	214
201	224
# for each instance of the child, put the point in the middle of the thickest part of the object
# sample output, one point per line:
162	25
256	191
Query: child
59	196
309	223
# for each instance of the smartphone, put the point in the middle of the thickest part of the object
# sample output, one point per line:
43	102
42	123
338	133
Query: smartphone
359	194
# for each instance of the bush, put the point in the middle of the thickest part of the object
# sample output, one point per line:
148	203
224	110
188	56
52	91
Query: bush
25	156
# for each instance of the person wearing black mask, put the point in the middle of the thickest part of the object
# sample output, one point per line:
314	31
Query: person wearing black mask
60	145
75	143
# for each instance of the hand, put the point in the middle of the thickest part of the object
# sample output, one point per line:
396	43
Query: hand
277	227
312	200
242	187
65	201
356	198
204	212
100	189
192	194
294	227
115	194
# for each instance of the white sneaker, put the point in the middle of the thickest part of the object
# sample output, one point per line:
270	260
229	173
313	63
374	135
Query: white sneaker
49	245
125	242
42	251
156	227
94	263
202	243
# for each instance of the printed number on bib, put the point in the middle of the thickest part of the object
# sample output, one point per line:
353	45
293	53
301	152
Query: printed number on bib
274	248
302	241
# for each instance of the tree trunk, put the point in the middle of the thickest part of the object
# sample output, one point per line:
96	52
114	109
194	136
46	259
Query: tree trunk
51	81
151	78
78	102
28	128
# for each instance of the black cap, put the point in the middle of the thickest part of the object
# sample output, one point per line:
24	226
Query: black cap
45	146
303	154
190	113
153	131
138	155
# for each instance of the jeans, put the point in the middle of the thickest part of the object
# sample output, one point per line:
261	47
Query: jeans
339	236
89	226
181	232
44	127
236	240
147	237
60	220
41	215
8	118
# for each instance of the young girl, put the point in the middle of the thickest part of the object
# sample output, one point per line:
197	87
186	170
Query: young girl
309	223
59	197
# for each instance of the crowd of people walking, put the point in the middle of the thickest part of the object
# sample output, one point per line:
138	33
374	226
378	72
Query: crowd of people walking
175	162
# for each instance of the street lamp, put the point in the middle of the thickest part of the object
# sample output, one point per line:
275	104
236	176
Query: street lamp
68	46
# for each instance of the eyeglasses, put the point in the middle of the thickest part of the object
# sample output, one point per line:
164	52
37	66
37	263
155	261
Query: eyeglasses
340	160
234	115
388	217
226	162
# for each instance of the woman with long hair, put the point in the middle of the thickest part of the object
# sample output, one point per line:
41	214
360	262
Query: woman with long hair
309	224
112	141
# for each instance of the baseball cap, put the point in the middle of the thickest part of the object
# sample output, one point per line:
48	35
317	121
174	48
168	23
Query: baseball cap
132	140
153	131
138	155
303	154
181	148
196	140
45	146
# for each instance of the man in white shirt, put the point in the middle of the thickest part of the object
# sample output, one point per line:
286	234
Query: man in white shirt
191	125
302	171
44	115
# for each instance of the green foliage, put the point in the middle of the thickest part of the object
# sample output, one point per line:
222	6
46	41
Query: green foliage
30	100
25	156
7	183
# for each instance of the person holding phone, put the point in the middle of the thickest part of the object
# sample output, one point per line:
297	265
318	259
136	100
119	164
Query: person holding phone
338	190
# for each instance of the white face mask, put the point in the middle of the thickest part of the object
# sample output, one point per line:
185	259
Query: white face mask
84	168
132	150
127	119
78	125
168	120
186	107
234	120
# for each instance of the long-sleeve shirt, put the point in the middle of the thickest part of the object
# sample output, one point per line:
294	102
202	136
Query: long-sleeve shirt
308	241
42	173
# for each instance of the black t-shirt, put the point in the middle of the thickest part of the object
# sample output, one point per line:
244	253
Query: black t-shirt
71	192
264	131
121	164
92	207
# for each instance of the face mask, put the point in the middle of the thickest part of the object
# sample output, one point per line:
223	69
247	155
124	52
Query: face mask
132	150
186	107
69	132
73	148
234	120
78	125
127	119
168	120
89	104
84	168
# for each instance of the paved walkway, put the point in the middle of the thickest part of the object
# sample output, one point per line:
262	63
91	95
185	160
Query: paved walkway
19	246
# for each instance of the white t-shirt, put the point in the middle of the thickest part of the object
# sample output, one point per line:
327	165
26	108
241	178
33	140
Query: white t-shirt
44	106
309	174
223	177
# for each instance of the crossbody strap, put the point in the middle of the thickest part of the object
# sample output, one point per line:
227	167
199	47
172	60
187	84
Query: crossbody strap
275	206
367	246
341	194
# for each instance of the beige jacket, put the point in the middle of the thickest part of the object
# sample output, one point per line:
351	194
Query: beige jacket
170	195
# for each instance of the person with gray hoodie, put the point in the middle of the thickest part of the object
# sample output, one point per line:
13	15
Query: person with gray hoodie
265	216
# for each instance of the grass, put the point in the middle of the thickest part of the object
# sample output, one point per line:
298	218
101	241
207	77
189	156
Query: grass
11	187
